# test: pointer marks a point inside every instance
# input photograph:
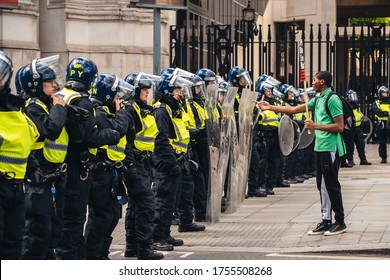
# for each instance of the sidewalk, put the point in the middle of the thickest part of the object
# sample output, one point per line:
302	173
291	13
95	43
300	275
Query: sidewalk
279	223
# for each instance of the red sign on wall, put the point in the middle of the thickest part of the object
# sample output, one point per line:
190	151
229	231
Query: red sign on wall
9	4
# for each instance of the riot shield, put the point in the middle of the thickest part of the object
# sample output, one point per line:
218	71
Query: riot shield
286	135
297	135
367	128
213	138
306	138
245	141
229	146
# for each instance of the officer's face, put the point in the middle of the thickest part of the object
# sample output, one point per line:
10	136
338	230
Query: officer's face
268	93
177	94
49	87
143	96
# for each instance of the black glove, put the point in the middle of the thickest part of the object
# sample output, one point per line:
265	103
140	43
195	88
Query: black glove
176	170
131	173
37	177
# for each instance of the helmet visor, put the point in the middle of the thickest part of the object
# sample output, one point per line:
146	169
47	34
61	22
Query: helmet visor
124	90
47	69
5	70
245	79
352	96
273	81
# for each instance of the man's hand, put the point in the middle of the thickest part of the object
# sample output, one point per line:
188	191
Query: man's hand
263	105
57	100
309	124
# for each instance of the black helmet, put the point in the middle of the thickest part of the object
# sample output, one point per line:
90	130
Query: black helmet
6	70
29	78
108	86
82	70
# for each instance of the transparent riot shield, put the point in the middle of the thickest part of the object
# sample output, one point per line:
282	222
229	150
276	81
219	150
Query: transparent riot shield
297	135
213	138
232	190
286	135
306	138
229	147
366	127
245	141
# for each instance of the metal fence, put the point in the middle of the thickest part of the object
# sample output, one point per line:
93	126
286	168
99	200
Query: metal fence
357	57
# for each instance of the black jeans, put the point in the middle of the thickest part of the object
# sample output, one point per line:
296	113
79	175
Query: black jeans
12	219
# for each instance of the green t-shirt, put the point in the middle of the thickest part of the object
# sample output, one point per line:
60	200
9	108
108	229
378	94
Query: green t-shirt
327	141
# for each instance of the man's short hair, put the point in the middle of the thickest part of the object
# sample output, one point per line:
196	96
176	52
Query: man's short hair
326	76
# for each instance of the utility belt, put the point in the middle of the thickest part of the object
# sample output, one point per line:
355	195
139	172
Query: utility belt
142	156
57	174
7	178
186	163
266	133
89	163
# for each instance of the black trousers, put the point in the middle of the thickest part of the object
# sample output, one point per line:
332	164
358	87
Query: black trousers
327	166
76	195
100	214
358	140
383	136
39	203
165	190
12	219
141	208
200	178
185	195
253	175
269	154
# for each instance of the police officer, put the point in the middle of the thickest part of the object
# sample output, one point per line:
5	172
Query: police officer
17	135
268	148
109	173
84	138
358	138
240	78
381	109
170	147
140	211
44	198
199	147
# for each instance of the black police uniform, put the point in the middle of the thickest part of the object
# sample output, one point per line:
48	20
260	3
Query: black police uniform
102	198
82	135
382	132
40	209
140	211
168	179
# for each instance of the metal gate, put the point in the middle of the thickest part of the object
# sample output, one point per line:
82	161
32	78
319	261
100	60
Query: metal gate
357	57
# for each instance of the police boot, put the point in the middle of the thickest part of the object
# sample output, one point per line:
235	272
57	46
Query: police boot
146	252
131	248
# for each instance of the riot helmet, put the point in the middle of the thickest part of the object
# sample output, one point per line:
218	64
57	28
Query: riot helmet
30	79
239	77
141	81
311	93
222	91
108	86
165	89
167	71
261	88
6	70
199	87
208	76
81	70
383	92
289	92
351	96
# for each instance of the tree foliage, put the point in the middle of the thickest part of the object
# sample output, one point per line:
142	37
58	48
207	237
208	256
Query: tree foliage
370	21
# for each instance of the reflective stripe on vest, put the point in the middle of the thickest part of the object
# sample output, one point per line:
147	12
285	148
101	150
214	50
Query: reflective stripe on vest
53	151
358	116
270	118
144	139
180	143
384	108
18	136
